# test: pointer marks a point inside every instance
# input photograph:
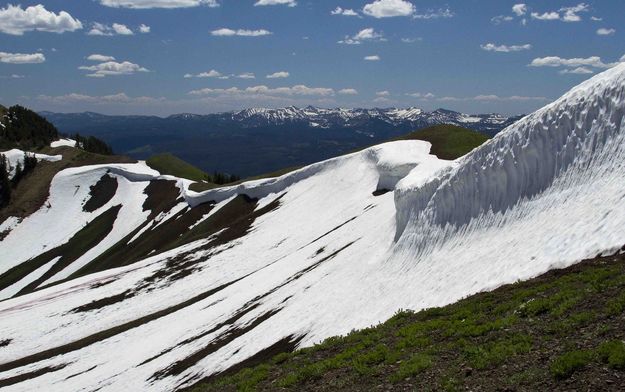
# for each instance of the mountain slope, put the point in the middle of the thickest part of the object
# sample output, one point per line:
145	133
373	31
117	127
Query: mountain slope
554	332
172	165
287	262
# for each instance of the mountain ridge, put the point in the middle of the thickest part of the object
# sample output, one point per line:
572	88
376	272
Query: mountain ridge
317	117
254	141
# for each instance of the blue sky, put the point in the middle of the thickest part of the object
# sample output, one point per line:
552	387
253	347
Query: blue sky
170	56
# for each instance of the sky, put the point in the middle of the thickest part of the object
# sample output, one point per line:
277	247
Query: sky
204	56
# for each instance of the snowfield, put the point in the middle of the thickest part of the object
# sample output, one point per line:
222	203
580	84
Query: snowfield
327	249
16	156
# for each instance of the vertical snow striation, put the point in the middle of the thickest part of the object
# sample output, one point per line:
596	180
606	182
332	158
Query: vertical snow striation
570	149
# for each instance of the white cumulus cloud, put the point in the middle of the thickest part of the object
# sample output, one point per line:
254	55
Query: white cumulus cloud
73	98
246	75
209	74
577	71
348	91
100	29
121	29
290	3
546	16
147	4
374	57
555	61
344	12
501	19
112	68
144	29
225	32
218	75
490	47
16	21
22	58
564	14
421	95
278	75
368	34
100	58
519	9
604	31
389	8
297	90
435	14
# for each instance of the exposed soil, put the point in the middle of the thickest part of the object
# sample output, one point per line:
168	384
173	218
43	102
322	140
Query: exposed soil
380	192
330	231
88	237
83	372
239	227
221	341
100	303
162	196
232	333
28	376
287	344
101	193
231	222
108	333
4	233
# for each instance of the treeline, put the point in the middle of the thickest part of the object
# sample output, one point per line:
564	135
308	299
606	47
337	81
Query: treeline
92	144
222	178
24	129
21	170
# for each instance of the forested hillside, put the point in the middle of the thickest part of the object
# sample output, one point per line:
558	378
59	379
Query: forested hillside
22	128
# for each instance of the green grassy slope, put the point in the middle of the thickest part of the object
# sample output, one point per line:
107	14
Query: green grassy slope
170	164
448	141
562	330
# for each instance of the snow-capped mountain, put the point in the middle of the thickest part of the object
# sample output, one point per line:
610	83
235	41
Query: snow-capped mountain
182	285
409	118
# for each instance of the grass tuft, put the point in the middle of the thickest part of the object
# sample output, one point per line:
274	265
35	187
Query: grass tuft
568	363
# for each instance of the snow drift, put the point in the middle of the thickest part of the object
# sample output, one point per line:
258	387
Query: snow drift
15	157
560	169
320	254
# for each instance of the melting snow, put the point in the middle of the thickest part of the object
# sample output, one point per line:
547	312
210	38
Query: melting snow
545	193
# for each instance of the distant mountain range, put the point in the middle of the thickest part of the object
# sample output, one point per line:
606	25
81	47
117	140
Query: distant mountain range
258	140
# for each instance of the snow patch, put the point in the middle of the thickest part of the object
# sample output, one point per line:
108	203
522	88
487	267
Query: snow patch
65	142
16	156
